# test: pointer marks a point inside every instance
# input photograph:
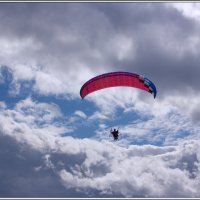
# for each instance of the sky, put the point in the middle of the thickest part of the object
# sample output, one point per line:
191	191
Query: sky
55	144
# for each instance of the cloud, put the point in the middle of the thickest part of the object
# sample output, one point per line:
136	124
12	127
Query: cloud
81	114
133	175
85	167
95	170
186	9
61	58
32	122
54	49
24	173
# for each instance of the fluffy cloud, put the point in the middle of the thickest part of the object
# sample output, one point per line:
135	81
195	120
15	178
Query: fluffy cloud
61	58
33	122
87	167
82	168
135	172
81	114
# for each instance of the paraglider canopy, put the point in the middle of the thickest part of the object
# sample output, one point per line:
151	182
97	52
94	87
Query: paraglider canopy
114	79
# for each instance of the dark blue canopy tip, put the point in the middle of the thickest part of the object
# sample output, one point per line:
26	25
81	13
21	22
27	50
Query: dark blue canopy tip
151	84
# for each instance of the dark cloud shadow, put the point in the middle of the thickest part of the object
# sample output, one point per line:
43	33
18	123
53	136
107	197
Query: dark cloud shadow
23	173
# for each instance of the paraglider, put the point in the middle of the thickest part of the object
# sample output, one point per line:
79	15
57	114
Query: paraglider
114	133
115	79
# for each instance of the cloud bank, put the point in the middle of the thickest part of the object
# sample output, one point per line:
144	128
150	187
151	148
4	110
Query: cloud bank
86	167
48	50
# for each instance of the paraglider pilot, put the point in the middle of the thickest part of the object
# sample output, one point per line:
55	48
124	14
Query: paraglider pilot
115	133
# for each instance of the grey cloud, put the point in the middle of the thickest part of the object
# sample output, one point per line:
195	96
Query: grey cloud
139	176
187	159
87	168
24	173
83	32
196	114
149	25
163	67
18	175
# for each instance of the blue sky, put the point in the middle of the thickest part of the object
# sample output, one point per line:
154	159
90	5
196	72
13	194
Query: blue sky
54	144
